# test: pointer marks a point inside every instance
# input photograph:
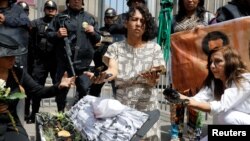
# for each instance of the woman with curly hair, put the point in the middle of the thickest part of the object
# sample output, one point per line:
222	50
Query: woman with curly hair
135	64
191	14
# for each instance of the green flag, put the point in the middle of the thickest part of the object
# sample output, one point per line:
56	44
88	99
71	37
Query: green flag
164	31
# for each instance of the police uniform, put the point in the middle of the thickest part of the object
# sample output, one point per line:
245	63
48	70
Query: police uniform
44	59
16	25
82	48
101	49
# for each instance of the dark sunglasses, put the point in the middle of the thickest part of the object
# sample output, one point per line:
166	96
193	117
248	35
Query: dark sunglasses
50	8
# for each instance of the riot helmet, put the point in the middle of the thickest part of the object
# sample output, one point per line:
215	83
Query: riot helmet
110	12
129	2
24	5
50	5
110	17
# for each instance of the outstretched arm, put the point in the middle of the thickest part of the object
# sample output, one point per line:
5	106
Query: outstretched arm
107	75
199	105
174	96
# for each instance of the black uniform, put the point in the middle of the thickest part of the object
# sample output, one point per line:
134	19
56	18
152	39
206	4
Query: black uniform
95	89
231	11
16	25
82	48
43	57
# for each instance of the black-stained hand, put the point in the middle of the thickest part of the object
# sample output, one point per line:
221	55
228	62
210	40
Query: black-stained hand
98	79
173	96
151	76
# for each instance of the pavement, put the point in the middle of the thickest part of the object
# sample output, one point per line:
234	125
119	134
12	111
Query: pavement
49	105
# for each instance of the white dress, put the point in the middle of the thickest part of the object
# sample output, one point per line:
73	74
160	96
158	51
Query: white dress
234	106
132	90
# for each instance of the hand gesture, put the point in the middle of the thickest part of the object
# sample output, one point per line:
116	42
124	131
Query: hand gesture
173	96
98	76
67	82
89	29
152	76
2	18
62	32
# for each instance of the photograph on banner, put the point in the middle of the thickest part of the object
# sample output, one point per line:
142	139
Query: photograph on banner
189	50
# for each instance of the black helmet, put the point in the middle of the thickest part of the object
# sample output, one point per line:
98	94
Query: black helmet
12	1
50	4
24	5
110	12
129	2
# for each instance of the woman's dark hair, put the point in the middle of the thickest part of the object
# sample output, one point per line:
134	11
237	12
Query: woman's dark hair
129	2
234	67
150	24
182	11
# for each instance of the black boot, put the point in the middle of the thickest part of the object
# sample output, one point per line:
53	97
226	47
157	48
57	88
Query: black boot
31	119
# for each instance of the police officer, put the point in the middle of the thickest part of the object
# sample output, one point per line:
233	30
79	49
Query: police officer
110	18
25	6
15	23
43	53
234	9
76	28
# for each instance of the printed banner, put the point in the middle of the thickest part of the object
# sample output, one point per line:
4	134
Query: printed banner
188	48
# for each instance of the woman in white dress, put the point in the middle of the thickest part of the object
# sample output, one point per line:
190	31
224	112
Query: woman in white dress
226	90
135	65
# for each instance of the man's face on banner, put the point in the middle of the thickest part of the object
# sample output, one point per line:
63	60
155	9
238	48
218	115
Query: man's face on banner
215	43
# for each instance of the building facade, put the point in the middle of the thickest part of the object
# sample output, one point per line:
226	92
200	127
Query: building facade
97	7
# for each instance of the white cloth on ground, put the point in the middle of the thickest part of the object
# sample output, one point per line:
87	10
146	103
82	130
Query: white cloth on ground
104	108
121	127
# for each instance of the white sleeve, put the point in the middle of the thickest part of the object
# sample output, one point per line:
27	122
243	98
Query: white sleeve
232	98
205	94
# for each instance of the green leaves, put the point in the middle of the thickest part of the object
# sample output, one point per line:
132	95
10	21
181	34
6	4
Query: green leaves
5	93
17	95
6	96
54	123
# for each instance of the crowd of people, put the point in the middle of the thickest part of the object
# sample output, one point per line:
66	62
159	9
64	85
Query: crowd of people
124	52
